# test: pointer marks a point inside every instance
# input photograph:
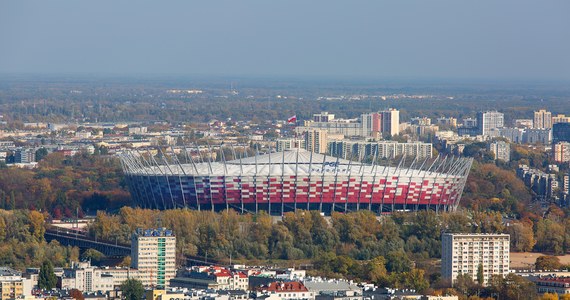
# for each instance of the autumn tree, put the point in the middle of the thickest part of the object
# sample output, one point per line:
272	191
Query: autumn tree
547	262
522	236
76	294
549	296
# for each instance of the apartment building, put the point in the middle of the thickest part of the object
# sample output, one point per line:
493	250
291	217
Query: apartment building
153	254
501	150
542	119
465	253
13	285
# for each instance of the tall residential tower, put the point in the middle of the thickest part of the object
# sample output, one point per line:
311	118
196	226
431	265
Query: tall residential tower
153	254
542	119
466	253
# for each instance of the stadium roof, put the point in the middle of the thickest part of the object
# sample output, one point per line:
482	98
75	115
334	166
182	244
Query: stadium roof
296	162
292	156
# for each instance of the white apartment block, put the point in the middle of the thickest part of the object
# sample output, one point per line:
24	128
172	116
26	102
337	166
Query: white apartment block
87	278
316	140
368	125
561	152
292	143
487	121
153	254
385	149
463	253
501	150
542	119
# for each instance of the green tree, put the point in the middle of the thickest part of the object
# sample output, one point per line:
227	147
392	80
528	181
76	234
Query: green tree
480	275
415	279
93	255
47	279
511	287
12	204
464	283
376	269
522	236
132	289
398	262
41	153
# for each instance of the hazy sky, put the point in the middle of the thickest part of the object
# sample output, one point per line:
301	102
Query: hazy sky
484	39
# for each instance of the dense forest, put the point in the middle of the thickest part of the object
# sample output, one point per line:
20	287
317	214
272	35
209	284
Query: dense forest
22	242
63	185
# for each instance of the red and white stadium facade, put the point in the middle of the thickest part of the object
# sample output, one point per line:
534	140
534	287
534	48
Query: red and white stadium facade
295	179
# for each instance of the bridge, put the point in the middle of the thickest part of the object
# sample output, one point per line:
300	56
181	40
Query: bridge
77	239
84	242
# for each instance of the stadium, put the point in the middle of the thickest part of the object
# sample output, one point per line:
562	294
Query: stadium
295	179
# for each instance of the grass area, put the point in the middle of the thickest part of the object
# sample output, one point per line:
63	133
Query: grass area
526	260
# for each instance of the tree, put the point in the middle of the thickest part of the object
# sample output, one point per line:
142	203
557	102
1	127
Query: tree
398	261
47	279
415	279
547	262
36	225
522	237
549	236
12	204
549	296
41	153
464	282
511	287
93	255
132	289
377	269
76	294
480	275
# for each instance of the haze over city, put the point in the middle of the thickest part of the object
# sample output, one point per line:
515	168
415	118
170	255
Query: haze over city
505	40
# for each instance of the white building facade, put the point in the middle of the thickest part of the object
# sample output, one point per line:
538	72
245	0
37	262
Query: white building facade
465	253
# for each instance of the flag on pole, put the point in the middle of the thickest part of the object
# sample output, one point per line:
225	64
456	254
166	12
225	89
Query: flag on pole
293	119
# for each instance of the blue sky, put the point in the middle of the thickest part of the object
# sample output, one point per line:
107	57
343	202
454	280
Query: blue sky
484	39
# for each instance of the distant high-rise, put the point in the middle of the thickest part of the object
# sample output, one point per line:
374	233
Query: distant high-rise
469	123
292	143
487	121
24	156
542	119
316	140
560	119
447	121
323	117
371	124
561	152
390	120
153	253
561	132
501	150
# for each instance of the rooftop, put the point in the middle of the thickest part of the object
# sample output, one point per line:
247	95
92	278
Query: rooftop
6	271
153	232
